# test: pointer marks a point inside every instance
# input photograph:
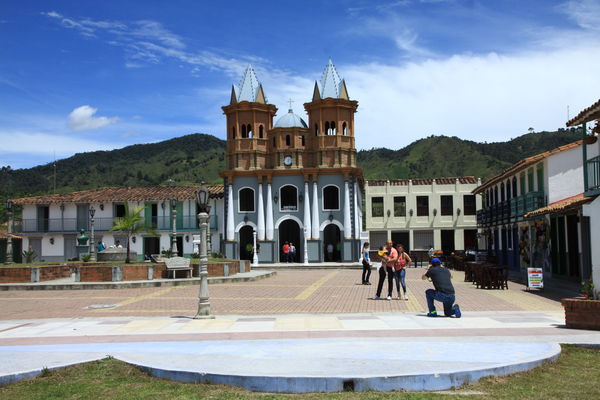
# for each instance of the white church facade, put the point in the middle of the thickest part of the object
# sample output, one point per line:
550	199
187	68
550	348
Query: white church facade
290	181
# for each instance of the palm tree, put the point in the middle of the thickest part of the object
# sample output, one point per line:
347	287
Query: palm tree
130	224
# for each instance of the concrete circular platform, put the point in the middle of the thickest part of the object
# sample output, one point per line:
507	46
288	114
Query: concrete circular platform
315	365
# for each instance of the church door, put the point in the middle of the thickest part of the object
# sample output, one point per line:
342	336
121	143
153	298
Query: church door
246	243
289	232
332	243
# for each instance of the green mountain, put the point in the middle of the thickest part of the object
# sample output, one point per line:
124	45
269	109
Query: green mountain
192	158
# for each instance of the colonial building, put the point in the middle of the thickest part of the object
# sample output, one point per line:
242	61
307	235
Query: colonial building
532	214
420	213
590	210
50	223
289	181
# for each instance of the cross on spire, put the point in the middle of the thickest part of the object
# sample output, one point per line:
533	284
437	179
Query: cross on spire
290	101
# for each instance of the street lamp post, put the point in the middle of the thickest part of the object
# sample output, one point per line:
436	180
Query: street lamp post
174	250
305	247
9	249
203	215
92	242
255	254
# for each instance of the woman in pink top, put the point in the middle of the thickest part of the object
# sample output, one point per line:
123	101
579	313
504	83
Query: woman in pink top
400	271
387	268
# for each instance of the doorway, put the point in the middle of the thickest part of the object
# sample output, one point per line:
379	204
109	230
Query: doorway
70	250
289	231
152	245
573	246
36	246
402	238
332	243
447	241
246	242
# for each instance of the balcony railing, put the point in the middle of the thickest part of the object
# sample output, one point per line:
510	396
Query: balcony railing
593	175
186	222
510	210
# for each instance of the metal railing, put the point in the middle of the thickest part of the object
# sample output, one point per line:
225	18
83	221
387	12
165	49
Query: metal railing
510	210
186	222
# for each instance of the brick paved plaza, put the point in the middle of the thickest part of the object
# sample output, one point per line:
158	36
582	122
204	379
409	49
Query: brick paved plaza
288	292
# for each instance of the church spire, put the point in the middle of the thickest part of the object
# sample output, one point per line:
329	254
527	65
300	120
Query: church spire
250	88
331	85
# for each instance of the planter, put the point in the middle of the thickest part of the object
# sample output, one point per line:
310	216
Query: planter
581	313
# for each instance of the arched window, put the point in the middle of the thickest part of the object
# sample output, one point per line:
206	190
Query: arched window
316	129
502	198
333	130
495	194
288	198
274	144
331	197
287	140
233	131
244	134
344	130
246	200
327	130
260	131
508	191
302	140
514	186
249	130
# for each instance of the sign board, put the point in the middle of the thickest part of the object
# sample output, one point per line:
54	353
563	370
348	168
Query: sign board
535	278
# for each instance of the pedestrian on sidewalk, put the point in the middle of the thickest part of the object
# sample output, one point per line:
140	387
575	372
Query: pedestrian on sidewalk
388	259
292	254
285	249
400	271
444	291
366	262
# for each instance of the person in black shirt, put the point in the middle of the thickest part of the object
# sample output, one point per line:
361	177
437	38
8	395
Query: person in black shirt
444	291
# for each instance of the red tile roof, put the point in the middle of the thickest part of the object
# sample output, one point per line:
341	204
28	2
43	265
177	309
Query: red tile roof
561	206
524	163
110	194
589	114
427	181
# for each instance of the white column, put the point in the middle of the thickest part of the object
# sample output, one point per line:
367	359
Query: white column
356	225
269	229
230	205
347	224
307	224
315	215
261	214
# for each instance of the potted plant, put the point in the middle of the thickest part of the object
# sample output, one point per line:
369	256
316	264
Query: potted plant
583	312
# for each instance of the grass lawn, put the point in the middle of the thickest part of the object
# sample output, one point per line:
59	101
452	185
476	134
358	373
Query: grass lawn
576	375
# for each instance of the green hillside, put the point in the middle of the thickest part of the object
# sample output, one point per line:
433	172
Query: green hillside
192	158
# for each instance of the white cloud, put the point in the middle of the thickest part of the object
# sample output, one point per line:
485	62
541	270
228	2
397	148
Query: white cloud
82	118
585	13
25	142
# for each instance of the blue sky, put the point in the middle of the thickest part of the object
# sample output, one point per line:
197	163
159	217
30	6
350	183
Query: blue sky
96	75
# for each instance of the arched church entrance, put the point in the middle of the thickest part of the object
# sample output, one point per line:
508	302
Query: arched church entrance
246	242
289	232
332	240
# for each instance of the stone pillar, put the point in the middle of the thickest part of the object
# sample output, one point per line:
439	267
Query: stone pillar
230	205
307	222
356	222
347	223
260	231
315	215
269	228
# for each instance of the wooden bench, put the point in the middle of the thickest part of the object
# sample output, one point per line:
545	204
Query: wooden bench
175	264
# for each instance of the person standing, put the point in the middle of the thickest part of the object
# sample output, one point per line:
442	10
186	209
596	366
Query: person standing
286	252
292	255
330	252
366	262
387	268
430	252
400	271
444	291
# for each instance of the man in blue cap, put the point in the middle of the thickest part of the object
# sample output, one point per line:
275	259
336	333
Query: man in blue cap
444	291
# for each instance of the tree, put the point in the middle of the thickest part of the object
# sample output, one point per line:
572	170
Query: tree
130	224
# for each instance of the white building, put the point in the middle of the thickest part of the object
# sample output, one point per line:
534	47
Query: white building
419	213
51	223
591	184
